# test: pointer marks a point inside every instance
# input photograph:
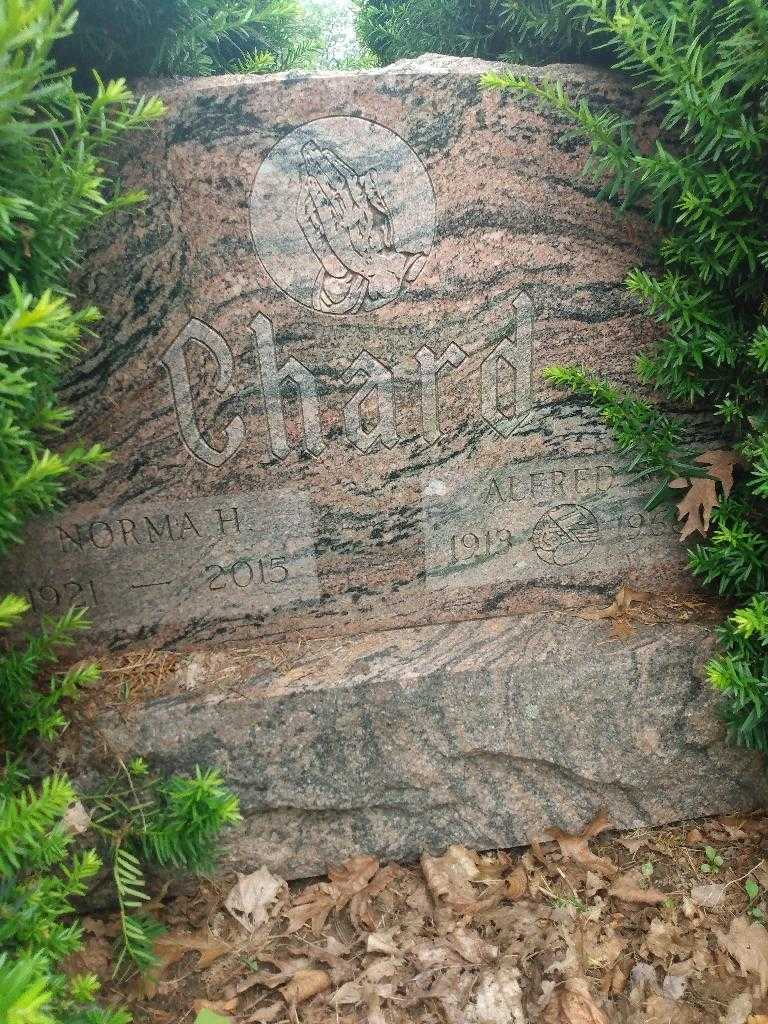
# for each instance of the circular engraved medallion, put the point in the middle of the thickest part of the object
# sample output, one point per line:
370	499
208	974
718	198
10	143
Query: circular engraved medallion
342	215
565	534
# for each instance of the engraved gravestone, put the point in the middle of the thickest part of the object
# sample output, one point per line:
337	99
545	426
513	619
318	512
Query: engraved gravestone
319	374
319	370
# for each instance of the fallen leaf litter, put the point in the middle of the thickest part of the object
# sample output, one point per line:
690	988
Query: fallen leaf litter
581	929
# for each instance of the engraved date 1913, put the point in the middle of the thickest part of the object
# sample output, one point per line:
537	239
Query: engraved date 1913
483	544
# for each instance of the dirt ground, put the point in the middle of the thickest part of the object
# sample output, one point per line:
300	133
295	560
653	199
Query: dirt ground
662	925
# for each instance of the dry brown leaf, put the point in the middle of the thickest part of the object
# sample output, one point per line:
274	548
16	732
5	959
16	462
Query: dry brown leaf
360	909
739	1009
76	819
471	947
516	884
573	1004
631	888
95	926
575	847
758	1018
216	1007
660	1010
625	598
267	1014
93	957
663	939
708	895
382	941
633	845
351	877
348	994
383	967
621	629
172	946
701	496
451	875
498	998
312	906
305	984
747	942
251	897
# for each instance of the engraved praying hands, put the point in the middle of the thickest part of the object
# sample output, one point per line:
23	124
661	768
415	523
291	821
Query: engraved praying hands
348	225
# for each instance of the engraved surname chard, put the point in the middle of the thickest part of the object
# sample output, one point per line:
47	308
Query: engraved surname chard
175	362
380	383
429	369
273	380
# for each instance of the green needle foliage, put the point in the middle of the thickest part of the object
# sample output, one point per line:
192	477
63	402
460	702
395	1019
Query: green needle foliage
39	877
52	187
705	66
137	820
528	31
135	38
171	823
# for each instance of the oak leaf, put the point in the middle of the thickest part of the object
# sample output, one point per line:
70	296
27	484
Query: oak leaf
576	847
172	946
305	984
516	884
498	998
310	907
747	942
701	497
573	1004
348	883
251	897
76	820
451	875
630	887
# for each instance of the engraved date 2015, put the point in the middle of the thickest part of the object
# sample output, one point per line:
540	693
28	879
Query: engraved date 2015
247	572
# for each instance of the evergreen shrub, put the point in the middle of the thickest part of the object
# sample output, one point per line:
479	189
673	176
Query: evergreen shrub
523	31
137	38
704	65
53	185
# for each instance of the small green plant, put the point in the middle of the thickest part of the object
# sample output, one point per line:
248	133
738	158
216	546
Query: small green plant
712	861
209	1017
646	869
752	890
144	821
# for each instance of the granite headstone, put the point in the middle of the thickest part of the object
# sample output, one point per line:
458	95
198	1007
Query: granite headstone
319	373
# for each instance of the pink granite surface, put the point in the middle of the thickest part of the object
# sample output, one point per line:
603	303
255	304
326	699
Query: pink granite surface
319	366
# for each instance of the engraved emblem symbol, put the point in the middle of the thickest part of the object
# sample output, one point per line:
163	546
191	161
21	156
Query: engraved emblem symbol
342	215
565	534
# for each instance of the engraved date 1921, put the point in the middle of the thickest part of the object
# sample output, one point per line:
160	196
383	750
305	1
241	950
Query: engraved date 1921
65	594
